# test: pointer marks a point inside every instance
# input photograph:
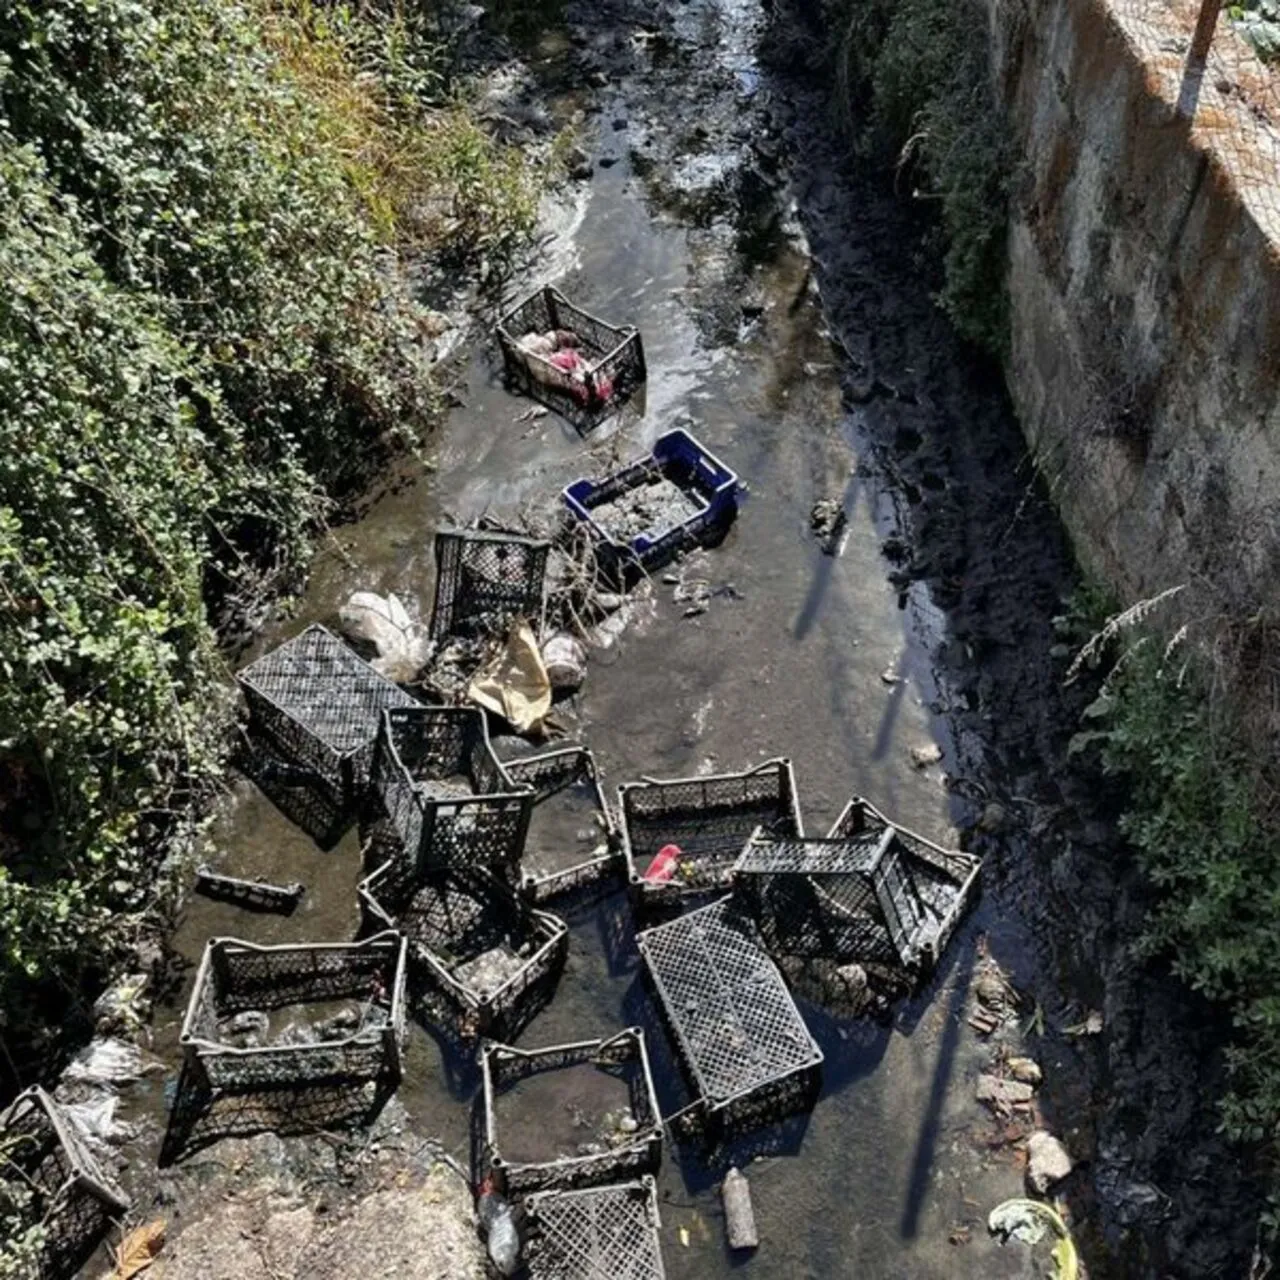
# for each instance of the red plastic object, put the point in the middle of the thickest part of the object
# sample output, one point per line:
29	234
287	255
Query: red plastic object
664	864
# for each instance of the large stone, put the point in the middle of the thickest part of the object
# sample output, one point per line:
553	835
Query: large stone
1047	1161
1002	1094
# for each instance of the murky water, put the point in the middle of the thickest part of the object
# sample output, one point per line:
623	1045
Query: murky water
809	656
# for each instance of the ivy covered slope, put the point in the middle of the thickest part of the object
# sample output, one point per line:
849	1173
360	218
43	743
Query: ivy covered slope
203	323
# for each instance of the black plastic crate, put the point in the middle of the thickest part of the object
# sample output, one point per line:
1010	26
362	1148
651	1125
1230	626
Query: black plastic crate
484	580
602	1233
319	705
70	1193
446	795
621	1057
613	359
483	960
570	811
743	1043
678	495
239	977
710	819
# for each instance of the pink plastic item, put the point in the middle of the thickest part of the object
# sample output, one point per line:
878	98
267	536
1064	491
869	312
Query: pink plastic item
664	864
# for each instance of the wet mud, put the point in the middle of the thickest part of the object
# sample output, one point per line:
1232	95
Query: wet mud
784	299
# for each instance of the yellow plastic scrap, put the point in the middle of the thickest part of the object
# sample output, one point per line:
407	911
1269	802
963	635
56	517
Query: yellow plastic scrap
1027	1219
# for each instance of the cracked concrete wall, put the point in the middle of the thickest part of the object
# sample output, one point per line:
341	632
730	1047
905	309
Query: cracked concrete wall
1144	279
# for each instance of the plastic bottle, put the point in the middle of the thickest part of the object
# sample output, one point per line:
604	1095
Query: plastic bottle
500	1229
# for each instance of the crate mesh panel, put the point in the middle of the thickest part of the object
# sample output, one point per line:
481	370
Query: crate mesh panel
734	1020
71	1194
710	819
610	1233
320	703
484	580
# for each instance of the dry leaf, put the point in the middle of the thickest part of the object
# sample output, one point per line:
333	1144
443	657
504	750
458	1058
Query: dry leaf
138	1250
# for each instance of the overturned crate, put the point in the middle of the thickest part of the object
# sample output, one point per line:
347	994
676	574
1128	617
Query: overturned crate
678	495
743	1043
602	1233
921	889
484	580
633	1142
69	1193
482	958
359	1042
612	357
319	705
446	795
709	820
570	817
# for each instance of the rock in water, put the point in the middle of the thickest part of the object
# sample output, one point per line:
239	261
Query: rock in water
739	1217
1047	1161
501	1233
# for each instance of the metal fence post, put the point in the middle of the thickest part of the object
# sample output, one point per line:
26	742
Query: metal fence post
1197	57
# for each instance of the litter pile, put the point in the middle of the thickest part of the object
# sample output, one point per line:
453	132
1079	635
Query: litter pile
452	907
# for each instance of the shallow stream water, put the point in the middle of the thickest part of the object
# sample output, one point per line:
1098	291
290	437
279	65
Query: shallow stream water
812	656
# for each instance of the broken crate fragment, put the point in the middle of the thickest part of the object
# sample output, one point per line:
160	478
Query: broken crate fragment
678	495
257	895
568	359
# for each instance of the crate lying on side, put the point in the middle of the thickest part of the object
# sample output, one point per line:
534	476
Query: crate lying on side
612	359
673	498
320	705
945	881
709	820
746	1049
359	1043
603	1233
70	1193
569	804
484	580
447	797
634	1150
481	955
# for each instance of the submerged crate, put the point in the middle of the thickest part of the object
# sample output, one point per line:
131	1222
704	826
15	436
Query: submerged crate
738	1032
447	797
928	888
70	1193
569	804
605	1233
672	498
709	819
628	1151
320	705
484	580
361	1041
613	359
483	955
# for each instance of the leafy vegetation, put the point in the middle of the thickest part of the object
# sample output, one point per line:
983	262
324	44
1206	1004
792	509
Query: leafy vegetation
914	77
1258	21
205	328
1200	813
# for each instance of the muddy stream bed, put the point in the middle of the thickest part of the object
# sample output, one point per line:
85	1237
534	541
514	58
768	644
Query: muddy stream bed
767	325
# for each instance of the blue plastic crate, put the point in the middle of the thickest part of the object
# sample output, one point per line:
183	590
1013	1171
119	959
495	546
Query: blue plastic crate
702	495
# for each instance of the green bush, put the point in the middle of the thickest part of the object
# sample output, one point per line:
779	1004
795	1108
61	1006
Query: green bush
205	328
1198	815
923	69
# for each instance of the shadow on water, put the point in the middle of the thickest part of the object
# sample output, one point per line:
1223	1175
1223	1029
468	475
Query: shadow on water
821	583
960	960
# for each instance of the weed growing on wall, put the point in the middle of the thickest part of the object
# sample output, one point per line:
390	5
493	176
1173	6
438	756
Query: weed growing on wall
204	329
1199	813
913	78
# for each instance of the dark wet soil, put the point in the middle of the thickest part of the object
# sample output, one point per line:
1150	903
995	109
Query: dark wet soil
784	298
